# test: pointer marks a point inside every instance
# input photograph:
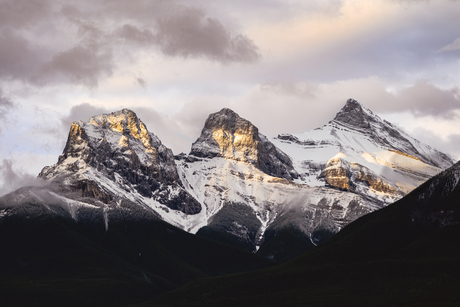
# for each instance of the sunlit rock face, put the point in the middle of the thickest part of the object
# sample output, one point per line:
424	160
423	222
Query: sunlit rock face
356	117
359	152
353	165
337	174
226	134
236	185
349	176
117	149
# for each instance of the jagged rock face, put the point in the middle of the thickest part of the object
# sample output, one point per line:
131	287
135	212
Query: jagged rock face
346	169
118	148
236	184
117	142
264	205
225	134
361	153
347	176
355	116
337	174
374	182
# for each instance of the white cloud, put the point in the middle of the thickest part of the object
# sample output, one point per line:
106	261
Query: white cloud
454	46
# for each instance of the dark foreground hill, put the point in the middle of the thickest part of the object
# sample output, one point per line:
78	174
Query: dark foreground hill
50	260
407	254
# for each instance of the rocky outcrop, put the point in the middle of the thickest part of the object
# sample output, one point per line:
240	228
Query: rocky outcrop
117	149
236	186
337	174
343	175
355	116
226	134
374	182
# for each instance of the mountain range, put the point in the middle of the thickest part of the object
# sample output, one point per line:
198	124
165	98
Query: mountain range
405	254
122	221
278	197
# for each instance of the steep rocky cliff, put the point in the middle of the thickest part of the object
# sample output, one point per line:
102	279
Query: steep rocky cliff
359	152
277	197
114	154
226	134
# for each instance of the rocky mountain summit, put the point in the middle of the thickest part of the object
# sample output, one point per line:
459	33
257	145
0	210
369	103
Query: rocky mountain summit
355	116
114	155
347	168
278	197
359	152
226	134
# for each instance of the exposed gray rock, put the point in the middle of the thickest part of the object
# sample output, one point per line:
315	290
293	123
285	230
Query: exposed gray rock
226	134
117	149
355	116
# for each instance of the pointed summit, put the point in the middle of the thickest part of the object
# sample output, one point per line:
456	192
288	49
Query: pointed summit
124	121
226	134
217	136
355	114
114	156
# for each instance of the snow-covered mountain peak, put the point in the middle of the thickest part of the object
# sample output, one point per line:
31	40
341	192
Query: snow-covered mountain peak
114	156
226	134
218	137
355	114
236	183
360	152
124	121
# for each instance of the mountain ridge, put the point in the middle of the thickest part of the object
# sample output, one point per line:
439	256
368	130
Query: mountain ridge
226	134
236	185
405	254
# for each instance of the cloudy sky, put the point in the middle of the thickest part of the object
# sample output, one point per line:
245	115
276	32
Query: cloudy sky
286	65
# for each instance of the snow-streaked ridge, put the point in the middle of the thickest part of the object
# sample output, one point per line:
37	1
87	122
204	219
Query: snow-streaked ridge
317	181
371	147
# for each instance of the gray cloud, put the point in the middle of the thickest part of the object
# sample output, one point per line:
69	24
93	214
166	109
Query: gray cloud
81	65
133	34
290	88
141	82
14	179
86	42
82	112
426	99
6	104
20	13
189	33
24	55
454	46
17	57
